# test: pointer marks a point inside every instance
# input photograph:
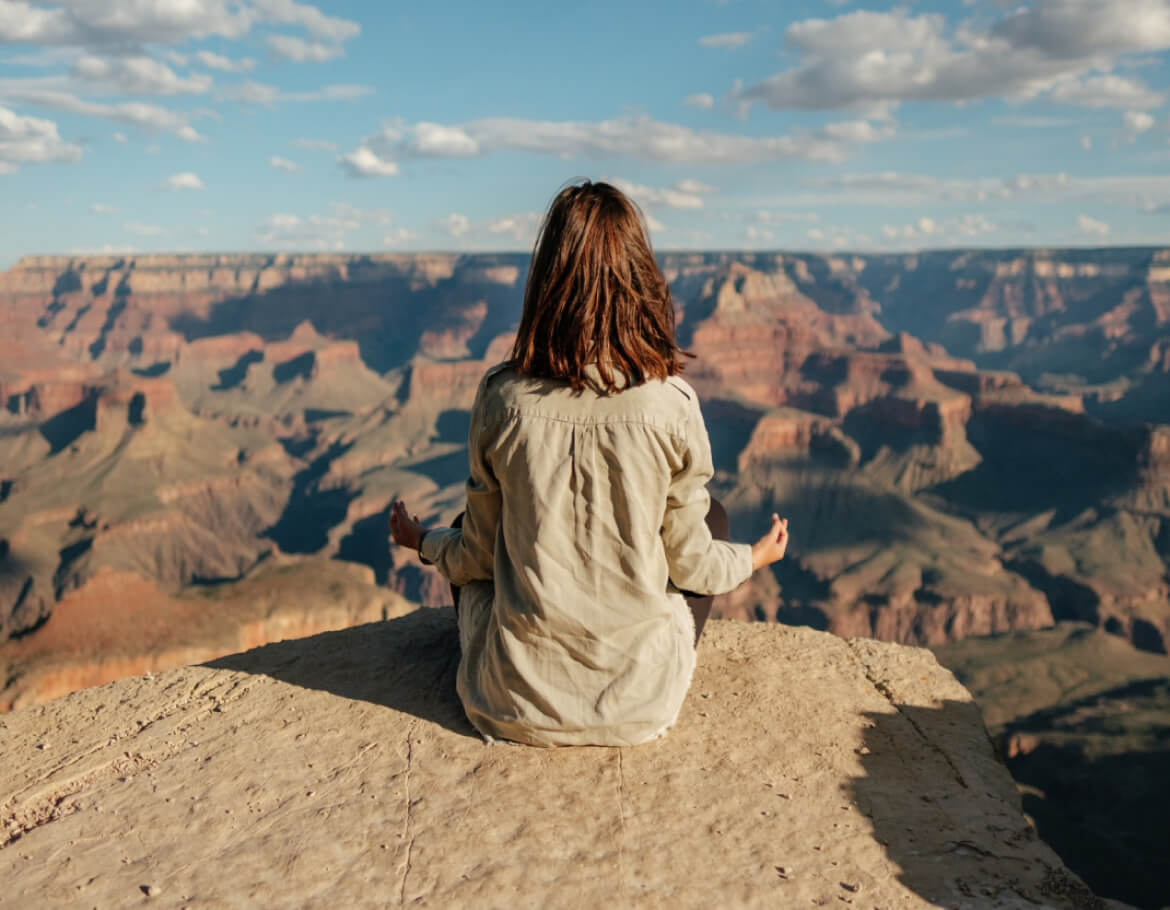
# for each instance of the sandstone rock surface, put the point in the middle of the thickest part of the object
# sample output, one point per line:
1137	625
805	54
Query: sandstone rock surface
339	770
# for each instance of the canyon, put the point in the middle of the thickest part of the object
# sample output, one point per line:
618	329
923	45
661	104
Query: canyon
964	442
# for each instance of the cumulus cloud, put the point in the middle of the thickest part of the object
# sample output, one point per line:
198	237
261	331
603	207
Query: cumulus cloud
894	188
184	181
1048	48
290	47
399	236
320	231
638	137
316	23
648	196
250	92
120	24
973	225
224	64
362	162
455	224
1092	227
726	40
688	185
283	164
138	76
924	228
136	113
521	228
700	101
1136	123
100	208
31	140
1104	91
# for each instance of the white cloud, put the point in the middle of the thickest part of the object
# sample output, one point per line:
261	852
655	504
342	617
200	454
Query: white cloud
121	24
1087	143
898	189
136	113
224	64
320	231
638	137
250	92
972	225
654	225
726	40
1136	123
31	140
755	234
701	101
455	225
688	185
283	164
398	237
184	181
316	23
138	76
290	47
1092	226
654	196
317	145
928	226
100	208
1046	49
362	162
120	138
522	228
1104	91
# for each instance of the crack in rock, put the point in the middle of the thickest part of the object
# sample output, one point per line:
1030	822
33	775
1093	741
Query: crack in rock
883	689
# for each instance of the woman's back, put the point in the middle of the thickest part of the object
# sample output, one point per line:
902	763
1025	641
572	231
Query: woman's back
581	636
587	501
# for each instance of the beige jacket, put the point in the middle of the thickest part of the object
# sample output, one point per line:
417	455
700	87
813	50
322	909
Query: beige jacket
584	512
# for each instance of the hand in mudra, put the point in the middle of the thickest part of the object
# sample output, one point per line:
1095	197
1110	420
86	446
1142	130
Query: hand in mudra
404	530
770	548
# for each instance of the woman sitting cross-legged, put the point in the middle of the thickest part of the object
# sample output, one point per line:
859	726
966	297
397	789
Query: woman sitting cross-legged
584	564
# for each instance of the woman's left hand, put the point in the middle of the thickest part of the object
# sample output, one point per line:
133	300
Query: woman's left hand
404	530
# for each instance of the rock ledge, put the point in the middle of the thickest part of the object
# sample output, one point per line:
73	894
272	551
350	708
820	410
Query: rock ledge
338	770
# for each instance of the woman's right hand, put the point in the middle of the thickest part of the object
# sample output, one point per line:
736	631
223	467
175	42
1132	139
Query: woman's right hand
770	548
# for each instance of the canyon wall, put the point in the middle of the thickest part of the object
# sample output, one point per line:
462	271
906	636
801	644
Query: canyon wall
965	442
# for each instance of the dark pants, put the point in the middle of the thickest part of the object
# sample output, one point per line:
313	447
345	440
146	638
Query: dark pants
700	605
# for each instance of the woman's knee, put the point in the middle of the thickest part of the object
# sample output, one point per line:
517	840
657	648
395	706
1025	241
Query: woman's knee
718	521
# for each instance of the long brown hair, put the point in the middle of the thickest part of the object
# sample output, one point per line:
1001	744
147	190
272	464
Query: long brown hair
596	295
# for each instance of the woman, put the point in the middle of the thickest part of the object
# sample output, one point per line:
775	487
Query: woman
587	505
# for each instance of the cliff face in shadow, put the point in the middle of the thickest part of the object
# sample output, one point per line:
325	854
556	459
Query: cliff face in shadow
339	769
1083	722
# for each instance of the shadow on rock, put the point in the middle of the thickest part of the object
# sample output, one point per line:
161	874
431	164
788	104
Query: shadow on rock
407	664
946	811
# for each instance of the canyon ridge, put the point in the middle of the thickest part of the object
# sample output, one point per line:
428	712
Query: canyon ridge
965	442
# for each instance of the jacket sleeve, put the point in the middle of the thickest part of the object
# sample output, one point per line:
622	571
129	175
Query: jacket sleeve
468	553
698	563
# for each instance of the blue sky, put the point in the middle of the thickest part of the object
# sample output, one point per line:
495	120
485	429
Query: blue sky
212	125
